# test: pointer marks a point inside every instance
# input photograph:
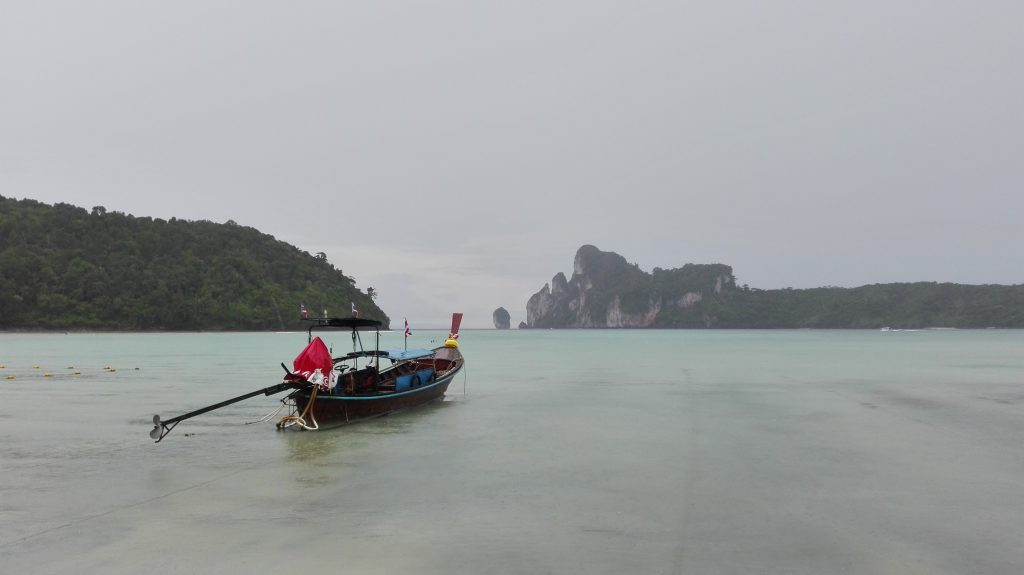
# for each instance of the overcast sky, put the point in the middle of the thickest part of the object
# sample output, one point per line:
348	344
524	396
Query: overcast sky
454	155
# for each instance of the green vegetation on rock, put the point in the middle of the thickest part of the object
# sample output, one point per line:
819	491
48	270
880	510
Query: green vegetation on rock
62	267
607	291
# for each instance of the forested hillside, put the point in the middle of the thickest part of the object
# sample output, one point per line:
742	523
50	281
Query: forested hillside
607	291
62	267
899	305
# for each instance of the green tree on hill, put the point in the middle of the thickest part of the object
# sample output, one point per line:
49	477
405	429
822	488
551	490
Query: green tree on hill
62	267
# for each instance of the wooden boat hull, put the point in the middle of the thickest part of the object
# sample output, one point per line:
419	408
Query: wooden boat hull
415	377
348	408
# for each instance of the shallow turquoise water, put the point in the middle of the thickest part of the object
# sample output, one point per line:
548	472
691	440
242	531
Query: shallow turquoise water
598	451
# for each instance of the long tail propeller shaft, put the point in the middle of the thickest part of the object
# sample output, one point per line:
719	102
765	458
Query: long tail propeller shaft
162	427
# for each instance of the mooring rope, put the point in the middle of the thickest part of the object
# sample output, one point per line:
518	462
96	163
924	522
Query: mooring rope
268	416
300	420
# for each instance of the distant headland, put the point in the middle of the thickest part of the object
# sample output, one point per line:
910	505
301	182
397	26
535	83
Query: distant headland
65	268
606	291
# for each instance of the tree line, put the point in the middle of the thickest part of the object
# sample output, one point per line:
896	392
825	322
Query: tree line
706	296
63	267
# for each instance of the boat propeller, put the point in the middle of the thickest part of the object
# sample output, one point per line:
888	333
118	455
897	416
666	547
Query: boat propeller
157	429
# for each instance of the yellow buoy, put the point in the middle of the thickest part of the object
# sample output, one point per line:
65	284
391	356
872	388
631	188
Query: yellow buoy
46	375
77	373
10	377
36	366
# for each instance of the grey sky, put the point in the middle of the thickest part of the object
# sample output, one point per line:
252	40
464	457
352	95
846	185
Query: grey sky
454	155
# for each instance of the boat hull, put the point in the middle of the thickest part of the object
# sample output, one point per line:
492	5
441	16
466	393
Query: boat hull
348	408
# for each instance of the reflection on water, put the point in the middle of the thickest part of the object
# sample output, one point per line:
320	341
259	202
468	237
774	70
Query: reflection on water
331	438
312	447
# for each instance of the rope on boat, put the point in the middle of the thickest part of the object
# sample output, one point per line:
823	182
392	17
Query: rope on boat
268	416
300	420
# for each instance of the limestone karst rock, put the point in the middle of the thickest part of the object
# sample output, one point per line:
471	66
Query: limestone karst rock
605	290
502	319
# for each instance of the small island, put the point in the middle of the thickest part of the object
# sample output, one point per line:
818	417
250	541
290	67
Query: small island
502	319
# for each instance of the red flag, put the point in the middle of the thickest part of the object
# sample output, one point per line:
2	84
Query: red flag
303	310
407	332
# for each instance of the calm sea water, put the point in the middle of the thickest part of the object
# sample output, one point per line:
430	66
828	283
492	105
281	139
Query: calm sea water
559	452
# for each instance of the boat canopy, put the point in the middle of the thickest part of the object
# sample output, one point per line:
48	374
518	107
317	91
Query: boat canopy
392	354
404	354
345	323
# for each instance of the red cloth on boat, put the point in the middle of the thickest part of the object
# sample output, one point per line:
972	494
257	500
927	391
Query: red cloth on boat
314	356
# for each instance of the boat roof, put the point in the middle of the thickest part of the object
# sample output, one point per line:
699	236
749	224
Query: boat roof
357	323
393	354
404	354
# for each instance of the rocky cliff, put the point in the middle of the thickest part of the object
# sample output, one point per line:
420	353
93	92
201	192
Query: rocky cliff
502	319
607	291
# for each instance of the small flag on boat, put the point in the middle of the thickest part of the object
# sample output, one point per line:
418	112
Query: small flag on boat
355	312
303	310
407	332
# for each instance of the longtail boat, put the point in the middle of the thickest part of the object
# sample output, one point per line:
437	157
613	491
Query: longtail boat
354	386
